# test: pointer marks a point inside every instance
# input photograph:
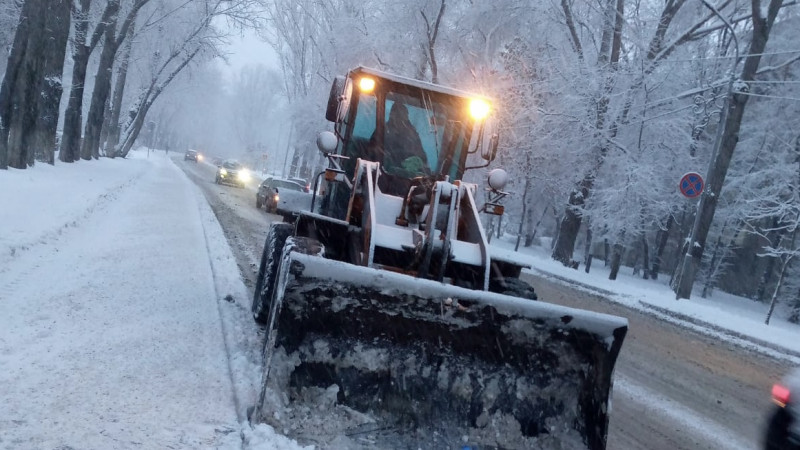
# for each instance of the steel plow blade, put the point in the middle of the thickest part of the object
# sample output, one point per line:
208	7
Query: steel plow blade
449	367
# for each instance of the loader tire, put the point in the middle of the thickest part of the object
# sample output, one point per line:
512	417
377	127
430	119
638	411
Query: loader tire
777	434
513	287
268	269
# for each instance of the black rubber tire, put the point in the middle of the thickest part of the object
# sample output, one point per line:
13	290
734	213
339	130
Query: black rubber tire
513	287
258	203
777	433
268	269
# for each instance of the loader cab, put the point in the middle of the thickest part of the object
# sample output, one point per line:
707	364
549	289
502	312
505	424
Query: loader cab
439	128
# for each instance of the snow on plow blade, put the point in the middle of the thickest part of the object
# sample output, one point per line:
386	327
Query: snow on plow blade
451	367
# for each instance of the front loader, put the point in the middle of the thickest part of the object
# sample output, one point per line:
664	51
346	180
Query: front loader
386	295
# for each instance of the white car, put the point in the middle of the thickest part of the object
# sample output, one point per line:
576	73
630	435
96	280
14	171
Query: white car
783	427
284	197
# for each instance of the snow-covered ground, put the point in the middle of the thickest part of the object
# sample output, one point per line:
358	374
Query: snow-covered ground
735	319
124	321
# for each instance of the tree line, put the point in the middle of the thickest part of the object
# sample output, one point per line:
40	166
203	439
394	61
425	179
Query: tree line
161	38
603	106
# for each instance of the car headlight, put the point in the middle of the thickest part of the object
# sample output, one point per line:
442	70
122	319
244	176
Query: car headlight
244	175
276	198
223	172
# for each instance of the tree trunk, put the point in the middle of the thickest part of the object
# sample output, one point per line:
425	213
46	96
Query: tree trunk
571	222
14	69
784	265
645	257
50	87
616	261
111	141
530	228
729	137
716	260
71	139
531	237
525	213
20	92
775	237
662	238
102	85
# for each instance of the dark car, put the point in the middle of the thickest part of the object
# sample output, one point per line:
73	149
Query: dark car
190	155
281	196
783	426
233	173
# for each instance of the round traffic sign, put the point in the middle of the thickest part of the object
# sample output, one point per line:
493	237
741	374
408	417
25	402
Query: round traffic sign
691	185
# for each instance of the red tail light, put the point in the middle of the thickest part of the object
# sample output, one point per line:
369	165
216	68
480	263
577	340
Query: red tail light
780	394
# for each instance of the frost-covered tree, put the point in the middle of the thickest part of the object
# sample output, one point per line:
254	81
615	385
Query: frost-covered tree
177	33
762	20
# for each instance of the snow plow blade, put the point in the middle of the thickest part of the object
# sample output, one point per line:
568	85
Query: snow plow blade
447	367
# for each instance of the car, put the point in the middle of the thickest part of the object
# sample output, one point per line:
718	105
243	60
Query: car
783	425
301	182
233	173
282	196
191	155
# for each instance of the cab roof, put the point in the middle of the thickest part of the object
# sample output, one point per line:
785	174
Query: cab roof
415	83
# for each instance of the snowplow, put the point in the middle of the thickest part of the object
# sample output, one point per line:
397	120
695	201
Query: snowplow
385	302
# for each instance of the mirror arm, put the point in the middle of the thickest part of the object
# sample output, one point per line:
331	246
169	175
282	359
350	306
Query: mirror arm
477	167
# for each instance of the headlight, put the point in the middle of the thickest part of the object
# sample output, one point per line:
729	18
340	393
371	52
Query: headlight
276	198
478	108
223	172
244	175
366	85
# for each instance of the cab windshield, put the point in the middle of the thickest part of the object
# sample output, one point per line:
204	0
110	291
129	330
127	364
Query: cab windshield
410	131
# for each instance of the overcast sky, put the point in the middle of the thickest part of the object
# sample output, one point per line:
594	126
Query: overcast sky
247	49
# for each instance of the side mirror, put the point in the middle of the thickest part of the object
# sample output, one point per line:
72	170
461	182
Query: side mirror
490	139
339	99
489	150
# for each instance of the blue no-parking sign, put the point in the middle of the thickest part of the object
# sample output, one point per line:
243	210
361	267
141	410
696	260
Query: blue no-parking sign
691	185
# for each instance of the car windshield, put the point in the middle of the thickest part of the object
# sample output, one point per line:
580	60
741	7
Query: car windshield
231	165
